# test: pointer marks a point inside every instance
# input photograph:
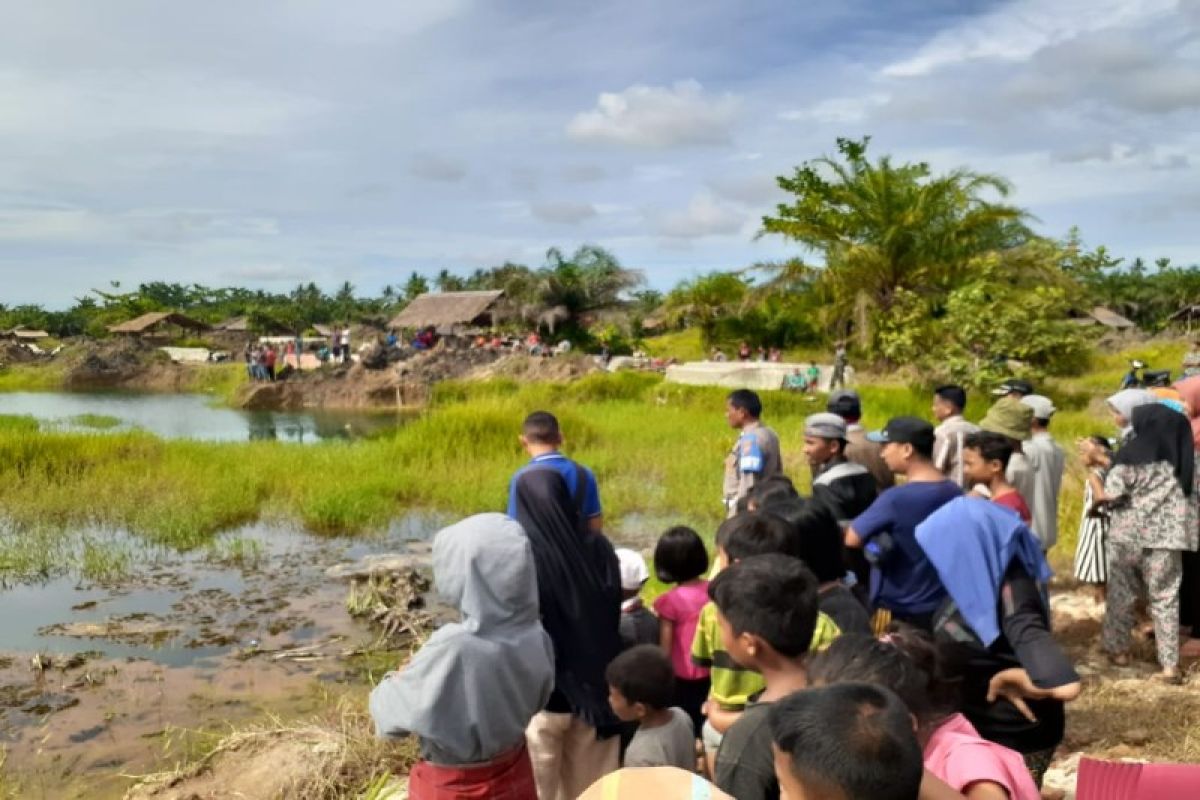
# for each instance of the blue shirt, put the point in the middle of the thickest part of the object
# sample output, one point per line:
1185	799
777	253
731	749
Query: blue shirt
568	469
906	582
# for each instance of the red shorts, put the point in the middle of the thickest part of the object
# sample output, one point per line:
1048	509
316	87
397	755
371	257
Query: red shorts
509	776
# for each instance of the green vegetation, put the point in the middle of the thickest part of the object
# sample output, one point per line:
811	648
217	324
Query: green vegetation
31	377
100	422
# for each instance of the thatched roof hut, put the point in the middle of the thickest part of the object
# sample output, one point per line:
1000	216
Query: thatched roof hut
1106	317
158	323
23	334
448	310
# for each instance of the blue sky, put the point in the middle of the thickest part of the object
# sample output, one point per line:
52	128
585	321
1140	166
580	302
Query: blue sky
269	142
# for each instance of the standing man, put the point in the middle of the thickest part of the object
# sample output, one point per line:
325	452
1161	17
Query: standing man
541	437
755	455
948	405
1048	462
903	581
847	405
838	380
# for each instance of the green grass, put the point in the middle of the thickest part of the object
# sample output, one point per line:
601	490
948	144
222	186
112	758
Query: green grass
32	377
657	448
100	422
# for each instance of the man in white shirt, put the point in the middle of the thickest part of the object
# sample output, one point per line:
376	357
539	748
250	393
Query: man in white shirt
948	405
1048	462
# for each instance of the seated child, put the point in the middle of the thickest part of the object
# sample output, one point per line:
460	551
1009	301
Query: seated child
638	625
851	741
640	686
906	662
767	613
473	687
750	533
985	460
680	558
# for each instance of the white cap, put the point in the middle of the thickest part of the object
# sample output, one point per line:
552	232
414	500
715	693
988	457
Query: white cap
1043	407
633	569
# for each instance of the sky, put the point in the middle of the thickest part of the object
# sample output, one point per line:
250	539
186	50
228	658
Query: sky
264	143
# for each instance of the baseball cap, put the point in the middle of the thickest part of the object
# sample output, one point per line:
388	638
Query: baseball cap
825	426
1013	385
633	569
664	783
1009	417
905	430
1043	407
844	403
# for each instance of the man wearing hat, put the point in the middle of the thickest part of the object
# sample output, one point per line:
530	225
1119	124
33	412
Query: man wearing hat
1010	417
1015	388
845	488
903	581
1048	463
847	405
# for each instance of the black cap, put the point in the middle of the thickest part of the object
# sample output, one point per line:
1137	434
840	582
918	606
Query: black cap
906	430
845	403
1013	385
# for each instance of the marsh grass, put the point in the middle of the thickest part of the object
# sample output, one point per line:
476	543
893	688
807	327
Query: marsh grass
657	449
100	422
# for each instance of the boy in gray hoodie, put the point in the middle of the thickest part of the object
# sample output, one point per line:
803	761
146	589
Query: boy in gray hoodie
471	690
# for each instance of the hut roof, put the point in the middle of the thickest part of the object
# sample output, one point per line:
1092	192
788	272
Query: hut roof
21	332
234	325
446	309
152	320
1106	317
1186	313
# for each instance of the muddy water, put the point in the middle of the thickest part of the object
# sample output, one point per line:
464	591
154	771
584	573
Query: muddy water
99	682
183	416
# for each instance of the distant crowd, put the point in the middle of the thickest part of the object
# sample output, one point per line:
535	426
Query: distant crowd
888	636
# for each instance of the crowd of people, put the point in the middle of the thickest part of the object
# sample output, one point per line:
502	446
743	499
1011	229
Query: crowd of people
888	636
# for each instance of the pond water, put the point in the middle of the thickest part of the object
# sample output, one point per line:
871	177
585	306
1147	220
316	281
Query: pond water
95	677
188	416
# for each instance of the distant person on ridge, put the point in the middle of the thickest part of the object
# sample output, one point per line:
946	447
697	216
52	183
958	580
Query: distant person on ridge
847	405
840	361
948	404
755	456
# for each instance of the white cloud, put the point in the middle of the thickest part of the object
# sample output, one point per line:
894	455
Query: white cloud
563	212
1020	28
267	273
752	190
431	167
584	173
657	117
837	109
704	216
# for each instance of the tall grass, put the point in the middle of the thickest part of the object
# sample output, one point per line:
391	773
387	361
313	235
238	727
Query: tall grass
657	449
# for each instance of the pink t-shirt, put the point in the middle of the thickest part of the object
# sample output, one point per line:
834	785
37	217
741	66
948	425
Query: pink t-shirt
957	754
682	606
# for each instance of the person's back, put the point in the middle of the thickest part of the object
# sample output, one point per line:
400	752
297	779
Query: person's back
859	450
1049	463
472	688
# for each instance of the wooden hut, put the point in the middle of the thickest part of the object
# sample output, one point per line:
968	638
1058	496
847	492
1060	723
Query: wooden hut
159	325
449	312
23	334
1106	317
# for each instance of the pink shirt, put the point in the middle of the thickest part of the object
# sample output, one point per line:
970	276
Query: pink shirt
957	754
682	606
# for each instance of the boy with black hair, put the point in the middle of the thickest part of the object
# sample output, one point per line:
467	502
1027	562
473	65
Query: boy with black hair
849	741
749	534
985	462
755	456
767	613
907	584
641	683
948	404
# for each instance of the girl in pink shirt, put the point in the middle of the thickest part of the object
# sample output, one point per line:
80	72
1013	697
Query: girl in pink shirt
680	558
906	662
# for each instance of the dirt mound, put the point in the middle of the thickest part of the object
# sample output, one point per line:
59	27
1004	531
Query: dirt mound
17	353
267	764
522	367
122	364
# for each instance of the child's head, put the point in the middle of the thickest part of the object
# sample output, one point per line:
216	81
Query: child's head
754	533
1095	450
633	572
766	608
904	661
640	681
680	556
985	456
852	741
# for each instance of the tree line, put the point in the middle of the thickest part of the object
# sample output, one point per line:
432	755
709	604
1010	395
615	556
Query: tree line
905	265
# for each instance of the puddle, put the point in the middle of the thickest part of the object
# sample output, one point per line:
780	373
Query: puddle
184	416
93	678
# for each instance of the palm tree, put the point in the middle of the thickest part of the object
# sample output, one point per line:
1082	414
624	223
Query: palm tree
590	280
706	300
882	228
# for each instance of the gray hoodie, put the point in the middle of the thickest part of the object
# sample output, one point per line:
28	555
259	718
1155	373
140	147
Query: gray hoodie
471	690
